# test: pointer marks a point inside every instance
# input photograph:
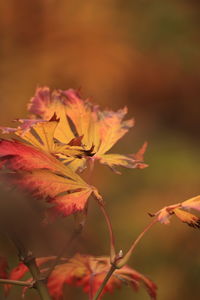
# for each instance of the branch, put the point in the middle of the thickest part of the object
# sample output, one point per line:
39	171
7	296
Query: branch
62	251
111	234
120	261
17	282
109	274
100	201
28	259
40	282
126	257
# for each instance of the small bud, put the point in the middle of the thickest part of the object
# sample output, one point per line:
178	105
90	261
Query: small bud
120	255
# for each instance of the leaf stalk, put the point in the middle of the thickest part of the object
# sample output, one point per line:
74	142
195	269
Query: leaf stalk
109	274
17	282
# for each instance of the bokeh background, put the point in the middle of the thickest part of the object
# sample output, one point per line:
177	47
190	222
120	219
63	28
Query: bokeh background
143	54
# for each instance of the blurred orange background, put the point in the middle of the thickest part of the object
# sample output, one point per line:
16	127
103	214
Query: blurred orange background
143	54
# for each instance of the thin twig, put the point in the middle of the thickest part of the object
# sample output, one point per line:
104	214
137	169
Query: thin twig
108	275
17	282
28	259
111	234
126	257
120	262
40	281
91	282
60	254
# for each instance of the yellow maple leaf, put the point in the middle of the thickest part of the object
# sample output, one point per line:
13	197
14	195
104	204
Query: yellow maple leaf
99	129
41	134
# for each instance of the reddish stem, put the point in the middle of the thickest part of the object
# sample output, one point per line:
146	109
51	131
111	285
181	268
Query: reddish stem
126	257
111	234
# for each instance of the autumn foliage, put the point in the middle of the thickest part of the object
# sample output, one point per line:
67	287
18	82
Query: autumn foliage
87	272
62	135
46	156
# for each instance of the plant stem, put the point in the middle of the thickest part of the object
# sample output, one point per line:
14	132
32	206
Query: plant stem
111	234
29	260
62	251
40	284
126	257
99	199
109	274
91	168
17	282
120	262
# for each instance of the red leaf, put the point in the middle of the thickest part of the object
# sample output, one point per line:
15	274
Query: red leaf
65	190
89	272
68	195
18	272
139	156
4	272
3	268
19	156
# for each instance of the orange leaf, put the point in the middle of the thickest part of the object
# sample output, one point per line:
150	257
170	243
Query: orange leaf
187	218
193	203
45	176
112	128
164	214
139	156
71	202
88	272
68	195
116	160
19	156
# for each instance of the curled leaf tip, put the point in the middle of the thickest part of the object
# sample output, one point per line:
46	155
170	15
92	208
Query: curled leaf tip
77	141
54	118
151	215
195	224
188	218
180	211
